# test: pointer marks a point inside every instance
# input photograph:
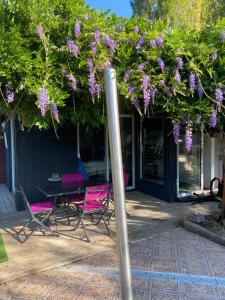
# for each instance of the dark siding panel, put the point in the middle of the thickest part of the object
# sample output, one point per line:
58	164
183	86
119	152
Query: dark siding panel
39	154
8	160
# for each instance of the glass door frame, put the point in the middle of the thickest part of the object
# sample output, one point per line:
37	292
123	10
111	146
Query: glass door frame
107	158
131	187
185	194
141	147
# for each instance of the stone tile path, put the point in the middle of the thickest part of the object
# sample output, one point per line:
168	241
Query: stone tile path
172	265
157	248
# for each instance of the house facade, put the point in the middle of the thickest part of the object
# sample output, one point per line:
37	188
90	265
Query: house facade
156	165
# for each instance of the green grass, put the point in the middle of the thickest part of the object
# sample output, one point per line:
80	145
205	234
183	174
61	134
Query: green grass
3	254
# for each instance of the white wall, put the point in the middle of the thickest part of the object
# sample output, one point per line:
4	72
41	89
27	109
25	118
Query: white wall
212	164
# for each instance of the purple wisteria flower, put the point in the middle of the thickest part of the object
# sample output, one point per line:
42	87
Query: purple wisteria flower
185	121
176	132
140	43
159	41
43	100
126	76
153	93
200	89
95	41
162	82
131	90
90	64
213	118
177	76
98	89
192	82
40	31
140	67
222	36
93	48
136	29
72	47
97	36
188	139
73	81
152	44
92	85
146	91
198	119
77	28
161	63
9	93
110	43
214	56
135	102
180	63
219	96
54	111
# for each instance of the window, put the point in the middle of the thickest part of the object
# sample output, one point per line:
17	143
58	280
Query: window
153	150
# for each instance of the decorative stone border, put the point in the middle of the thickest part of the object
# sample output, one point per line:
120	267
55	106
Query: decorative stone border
193	227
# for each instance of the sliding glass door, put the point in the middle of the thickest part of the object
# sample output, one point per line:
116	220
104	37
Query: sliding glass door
190	166
93	148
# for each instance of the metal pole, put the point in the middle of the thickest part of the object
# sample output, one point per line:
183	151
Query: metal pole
118	182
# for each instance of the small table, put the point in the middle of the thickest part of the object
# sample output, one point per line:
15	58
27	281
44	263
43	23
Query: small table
59	189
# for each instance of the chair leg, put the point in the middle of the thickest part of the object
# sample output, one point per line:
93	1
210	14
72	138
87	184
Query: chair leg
24	226
85	231
56	225
102	218
78	223
42	223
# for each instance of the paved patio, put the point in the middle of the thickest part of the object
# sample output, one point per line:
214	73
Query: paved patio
80	270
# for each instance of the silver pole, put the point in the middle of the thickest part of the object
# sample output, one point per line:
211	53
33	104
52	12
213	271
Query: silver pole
118	182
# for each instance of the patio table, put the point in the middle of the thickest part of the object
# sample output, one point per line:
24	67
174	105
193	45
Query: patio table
58	189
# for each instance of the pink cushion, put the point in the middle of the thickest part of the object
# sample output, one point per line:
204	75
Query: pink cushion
91	205
41	206
72	178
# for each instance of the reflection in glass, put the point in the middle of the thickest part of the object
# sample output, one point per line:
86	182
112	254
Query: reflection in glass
190	166
126	144
153	153
92	151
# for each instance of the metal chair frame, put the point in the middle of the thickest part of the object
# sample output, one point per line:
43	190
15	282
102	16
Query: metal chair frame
35	216
99	212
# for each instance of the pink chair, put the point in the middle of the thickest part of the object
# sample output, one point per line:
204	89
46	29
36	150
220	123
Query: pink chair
93	207
39	212
73	178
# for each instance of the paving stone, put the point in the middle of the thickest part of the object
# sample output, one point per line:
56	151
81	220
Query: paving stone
197	289
34	288
164	296
66	291
161	285
90	292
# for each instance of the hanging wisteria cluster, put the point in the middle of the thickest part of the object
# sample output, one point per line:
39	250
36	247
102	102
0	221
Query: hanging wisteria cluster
157	69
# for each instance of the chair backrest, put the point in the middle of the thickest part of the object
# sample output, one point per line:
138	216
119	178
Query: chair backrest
126	179
72	178
97	192
24	197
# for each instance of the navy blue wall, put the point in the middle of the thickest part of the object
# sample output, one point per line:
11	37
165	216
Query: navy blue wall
39	154
166	191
